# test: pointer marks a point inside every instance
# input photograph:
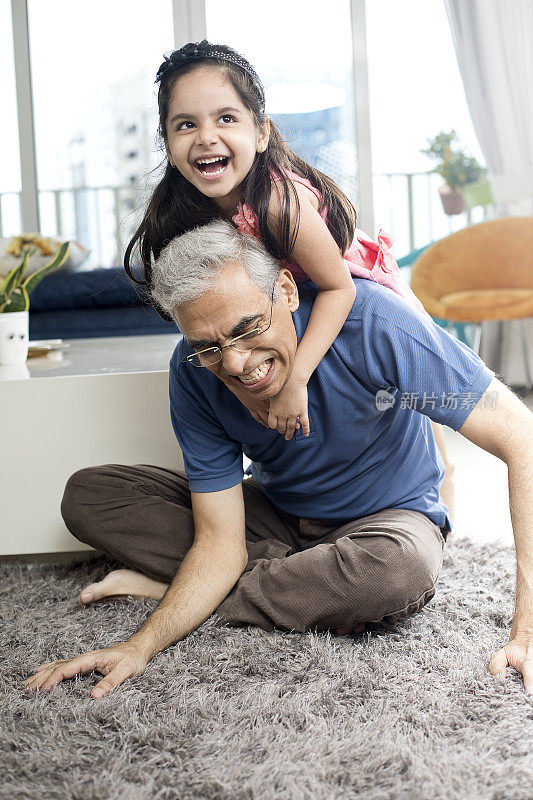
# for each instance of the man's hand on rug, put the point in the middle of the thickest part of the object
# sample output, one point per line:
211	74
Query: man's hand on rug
517	653
116	663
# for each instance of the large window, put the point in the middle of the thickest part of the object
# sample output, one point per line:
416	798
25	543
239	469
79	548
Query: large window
415	92
93	70
10	221
302	51
93	67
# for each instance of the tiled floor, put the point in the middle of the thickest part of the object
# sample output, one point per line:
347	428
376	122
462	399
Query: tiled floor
482	498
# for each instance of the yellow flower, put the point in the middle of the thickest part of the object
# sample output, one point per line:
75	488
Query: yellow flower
27	240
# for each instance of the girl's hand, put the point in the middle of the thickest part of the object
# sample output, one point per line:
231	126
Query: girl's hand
289	406
262	418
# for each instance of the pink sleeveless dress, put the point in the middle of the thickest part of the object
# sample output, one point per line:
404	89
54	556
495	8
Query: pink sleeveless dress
364	257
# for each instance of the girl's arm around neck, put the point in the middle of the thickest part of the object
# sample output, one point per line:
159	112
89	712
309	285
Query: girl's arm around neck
317	253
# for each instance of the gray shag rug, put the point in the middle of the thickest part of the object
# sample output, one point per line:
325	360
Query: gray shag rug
407	711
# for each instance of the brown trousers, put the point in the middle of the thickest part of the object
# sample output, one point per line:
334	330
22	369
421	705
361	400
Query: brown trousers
302	574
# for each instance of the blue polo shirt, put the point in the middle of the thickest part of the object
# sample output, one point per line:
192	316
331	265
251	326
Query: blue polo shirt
371	445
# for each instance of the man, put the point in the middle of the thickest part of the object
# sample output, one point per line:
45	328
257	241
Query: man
336	528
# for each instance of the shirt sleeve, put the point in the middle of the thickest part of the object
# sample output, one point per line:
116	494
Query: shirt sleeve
213	461
434	372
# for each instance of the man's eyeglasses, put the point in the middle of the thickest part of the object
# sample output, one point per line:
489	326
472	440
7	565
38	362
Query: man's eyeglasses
246	341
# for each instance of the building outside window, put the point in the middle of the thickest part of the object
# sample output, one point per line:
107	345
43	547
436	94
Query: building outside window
308	76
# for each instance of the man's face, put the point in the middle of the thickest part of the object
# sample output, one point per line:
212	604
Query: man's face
233	306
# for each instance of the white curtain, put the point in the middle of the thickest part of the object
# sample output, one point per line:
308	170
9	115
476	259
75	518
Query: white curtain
493	42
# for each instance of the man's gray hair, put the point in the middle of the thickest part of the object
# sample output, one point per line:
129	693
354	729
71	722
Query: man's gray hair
189	265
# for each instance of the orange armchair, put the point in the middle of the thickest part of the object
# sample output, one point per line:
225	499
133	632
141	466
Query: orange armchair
483	272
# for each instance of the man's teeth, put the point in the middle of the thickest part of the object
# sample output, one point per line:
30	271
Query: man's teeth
257	374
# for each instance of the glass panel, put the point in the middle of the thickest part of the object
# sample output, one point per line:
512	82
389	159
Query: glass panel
302	52
93	71
10	184
415	92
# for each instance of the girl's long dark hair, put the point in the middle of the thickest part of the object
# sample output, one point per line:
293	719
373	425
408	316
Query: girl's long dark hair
176	205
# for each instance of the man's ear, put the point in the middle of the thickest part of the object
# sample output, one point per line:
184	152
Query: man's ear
287	286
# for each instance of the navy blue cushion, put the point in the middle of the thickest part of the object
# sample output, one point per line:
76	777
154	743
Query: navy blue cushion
79	324
96	288
90	303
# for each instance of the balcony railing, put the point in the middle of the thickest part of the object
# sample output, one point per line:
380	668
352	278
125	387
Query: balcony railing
103	218
408	206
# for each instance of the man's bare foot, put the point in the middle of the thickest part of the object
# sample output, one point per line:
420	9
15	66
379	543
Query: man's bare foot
359	627
122	583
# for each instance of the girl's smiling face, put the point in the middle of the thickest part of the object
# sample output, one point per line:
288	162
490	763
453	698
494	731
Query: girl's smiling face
207	120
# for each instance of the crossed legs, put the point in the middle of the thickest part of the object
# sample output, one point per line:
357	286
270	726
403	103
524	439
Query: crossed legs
301	574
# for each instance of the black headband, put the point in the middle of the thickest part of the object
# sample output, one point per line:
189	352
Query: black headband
195	51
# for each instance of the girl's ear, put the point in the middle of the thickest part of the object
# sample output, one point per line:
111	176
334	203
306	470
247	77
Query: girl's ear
169	156
262	141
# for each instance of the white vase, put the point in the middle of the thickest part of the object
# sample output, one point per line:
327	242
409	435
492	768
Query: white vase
14	372
14	327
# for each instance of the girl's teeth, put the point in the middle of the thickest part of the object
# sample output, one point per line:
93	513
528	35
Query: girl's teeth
215	172
202	166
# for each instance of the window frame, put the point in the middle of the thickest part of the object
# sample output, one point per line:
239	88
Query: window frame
189	26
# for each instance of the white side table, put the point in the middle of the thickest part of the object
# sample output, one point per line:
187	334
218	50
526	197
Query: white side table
105	402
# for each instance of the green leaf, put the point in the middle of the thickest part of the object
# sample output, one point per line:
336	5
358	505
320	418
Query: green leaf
15	276
24	264
20	301
32	280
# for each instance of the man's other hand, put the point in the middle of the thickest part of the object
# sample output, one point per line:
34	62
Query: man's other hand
117	663
517	653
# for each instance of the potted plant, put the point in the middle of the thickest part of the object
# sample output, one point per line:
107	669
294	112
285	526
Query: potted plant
457	168
15	304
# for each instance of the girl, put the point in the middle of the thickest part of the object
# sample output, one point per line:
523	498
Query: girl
227	159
